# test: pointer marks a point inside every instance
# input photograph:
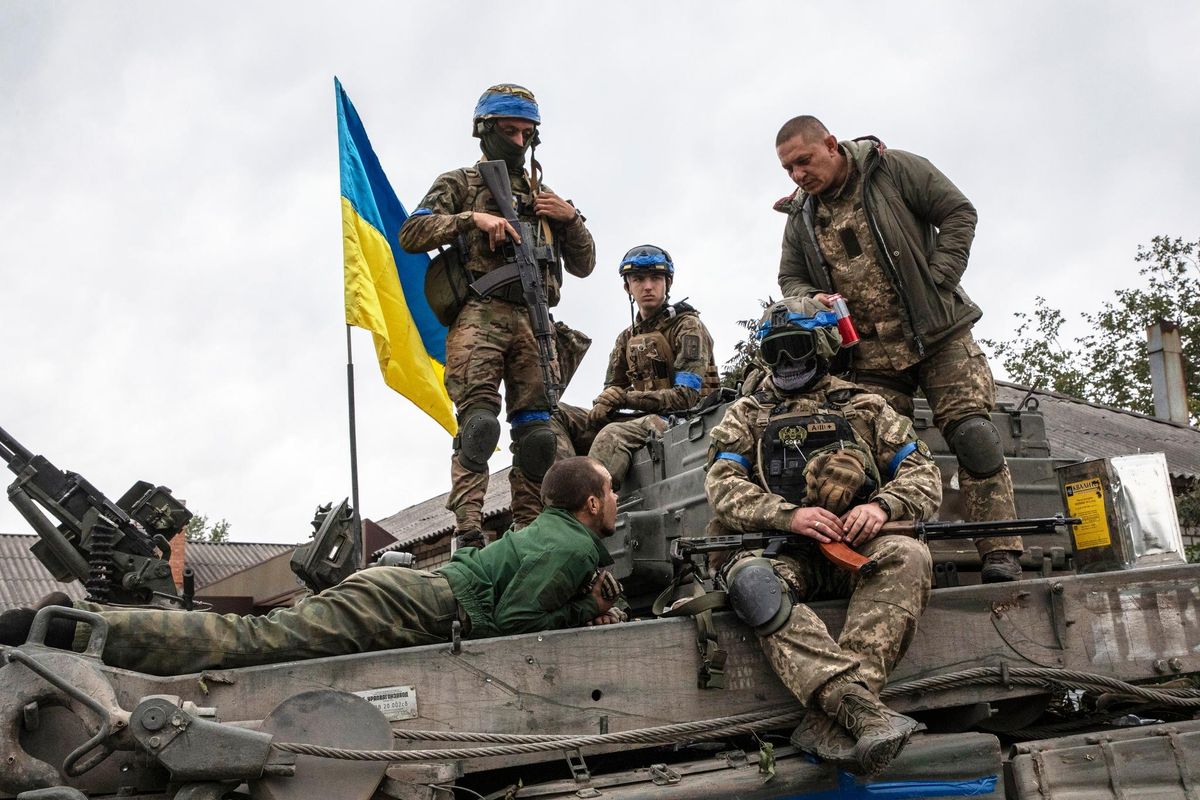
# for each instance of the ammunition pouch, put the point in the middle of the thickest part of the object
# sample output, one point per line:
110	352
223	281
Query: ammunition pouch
447	285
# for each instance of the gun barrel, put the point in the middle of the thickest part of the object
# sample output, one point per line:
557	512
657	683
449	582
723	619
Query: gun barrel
11	449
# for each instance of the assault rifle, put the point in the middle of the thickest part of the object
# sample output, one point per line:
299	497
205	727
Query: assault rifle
119	551
523	266
846	558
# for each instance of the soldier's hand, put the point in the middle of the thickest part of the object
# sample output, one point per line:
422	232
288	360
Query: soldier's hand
496	228
823	299
834	479
602	591
612	398
818	524
547	204
862	523
611	617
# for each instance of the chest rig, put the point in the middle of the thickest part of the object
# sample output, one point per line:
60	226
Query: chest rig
791	438
650	361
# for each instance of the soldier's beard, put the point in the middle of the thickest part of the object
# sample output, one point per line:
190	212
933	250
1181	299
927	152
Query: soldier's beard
498	147
791	375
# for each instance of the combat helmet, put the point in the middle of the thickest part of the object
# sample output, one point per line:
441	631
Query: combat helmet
505	100
798	339
647	259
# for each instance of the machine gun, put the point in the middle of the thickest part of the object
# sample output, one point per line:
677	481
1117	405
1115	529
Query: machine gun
846	558
119	551
523	266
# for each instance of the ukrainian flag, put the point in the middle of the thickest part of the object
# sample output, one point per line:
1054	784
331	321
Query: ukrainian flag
385	286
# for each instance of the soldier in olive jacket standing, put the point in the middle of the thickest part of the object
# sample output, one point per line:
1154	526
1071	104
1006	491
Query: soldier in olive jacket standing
892	234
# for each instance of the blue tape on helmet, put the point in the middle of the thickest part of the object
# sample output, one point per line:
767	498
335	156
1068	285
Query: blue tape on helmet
822	319
901	454
526	417
647	257
689	379
735	458
497	104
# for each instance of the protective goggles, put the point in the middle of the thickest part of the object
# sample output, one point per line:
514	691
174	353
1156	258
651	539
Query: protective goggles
798	345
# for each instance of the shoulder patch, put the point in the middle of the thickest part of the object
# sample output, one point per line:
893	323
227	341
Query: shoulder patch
923	449
691	346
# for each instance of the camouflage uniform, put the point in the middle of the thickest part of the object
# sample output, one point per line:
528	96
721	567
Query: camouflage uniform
491	339
893	358
884	607
666	365
535	579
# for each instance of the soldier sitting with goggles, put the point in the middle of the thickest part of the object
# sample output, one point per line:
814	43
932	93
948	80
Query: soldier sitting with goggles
811	454
661	364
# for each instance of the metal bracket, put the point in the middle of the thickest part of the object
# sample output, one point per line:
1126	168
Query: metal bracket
662	775
456	637
578	767
695	431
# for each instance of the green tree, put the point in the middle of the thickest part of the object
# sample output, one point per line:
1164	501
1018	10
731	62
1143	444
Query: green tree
198	530
744	352
1109	364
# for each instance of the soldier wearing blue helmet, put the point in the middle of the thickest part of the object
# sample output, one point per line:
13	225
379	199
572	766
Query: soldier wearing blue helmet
490	340
661	365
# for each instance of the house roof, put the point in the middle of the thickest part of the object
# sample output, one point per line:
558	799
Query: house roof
24	581
429	519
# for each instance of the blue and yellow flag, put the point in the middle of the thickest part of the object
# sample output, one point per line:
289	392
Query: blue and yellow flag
385	286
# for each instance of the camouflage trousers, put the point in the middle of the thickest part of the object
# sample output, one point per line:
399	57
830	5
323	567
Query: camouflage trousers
616	443
574	437
380	608
491	341
957	382
881	619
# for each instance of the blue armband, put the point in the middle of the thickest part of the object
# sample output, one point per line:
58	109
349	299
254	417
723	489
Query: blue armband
689	379
735	458
525	417
421	212
901	454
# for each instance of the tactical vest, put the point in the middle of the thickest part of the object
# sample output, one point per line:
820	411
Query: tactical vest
651	359
479	258
790	440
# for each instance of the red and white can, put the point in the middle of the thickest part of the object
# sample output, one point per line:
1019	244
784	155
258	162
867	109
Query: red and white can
845	324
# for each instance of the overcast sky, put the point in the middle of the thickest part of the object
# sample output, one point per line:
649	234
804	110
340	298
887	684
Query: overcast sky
170	231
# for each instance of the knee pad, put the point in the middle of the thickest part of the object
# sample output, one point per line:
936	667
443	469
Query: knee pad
478	435
758	596
976	444
534	449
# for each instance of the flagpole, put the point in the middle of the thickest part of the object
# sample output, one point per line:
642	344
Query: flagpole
357	519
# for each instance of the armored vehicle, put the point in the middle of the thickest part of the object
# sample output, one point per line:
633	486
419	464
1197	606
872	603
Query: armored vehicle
1072	683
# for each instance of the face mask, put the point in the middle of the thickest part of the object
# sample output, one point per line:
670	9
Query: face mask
791	375
498	147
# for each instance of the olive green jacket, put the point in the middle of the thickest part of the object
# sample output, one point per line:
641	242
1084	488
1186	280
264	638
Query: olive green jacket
535	579
922	226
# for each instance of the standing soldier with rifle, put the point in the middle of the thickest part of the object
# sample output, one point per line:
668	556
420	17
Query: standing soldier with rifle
484	289
816	456
889	232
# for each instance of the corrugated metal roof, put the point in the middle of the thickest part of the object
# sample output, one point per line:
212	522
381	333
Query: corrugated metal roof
24	581
430	519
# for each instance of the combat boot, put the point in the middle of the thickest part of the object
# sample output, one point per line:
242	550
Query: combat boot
16	622
470	538
879	733
820	735
1001	566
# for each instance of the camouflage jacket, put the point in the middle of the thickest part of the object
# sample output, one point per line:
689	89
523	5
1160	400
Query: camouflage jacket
666	362
736	485
923	227
445	214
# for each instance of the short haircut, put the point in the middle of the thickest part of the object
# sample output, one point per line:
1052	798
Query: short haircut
571	481
811	128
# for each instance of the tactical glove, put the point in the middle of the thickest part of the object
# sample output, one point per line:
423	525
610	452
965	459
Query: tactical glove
612	398
833	479
610	587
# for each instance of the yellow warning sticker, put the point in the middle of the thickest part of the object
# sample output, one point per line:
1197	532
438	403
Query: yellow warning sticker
1085	499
